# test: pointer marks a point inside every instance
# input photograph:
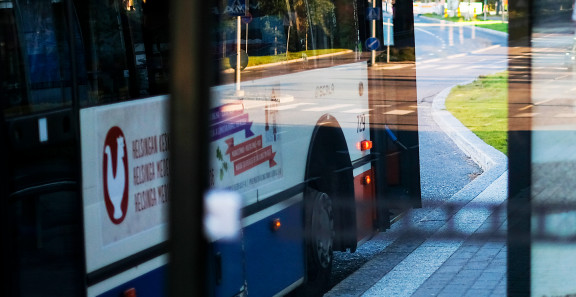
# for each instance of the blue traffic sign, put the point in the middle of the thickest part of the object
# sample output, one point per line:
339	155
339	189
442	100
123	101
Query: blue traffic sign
236	8
372	43
373	13
246	19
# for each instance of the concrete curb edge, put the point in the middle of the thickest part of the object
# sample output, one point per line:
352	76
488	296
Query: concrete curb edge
483	154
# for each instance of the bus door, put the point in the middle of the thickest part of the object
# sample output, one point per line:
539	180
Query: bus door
40	203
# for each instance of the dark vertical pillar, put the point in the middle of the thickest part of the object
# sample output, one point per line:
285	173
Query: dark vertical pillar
8	259
404	25
519	149
191	75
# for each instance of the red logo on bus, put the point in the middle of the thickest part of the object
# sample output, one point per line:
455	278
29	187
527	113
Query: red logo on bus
115	174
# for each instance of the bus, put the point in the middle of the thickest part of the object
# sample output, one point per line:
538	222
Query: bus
314	143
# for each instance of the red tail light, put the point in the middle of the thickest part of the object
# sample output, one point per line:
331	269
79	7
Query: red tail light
366	180
276	224
365	145
130	292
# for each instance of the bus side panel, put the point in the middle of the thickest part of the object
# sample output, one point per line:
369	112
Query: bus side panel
146	285
145	279
125	182
226	269
364	191
275	259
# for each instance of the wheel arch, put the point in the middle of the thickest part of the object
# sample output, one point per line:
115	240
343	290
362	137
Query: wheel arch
329	158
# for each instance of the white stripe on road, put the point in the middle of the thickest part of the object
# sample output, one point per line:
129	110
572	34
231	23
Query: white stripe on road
565	115
391	67
399	112
456	56
426	66
358	110
449	67
290	106
525	115
487	67
486	49
329	107
430	61
441	59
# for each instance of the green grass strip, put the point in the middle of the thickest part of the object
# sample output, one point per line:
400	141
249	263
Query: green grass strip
497	25
482	106
262	60
502	27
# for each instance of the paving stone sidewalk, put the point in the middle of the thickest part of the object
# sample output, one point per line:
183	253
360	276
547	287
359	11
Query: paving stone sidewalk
457	248
476	269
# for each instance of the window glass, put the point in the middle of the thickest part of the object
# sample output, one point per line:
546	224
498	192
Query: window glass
553	132
127	45
47	245
293	115
36	57
11	66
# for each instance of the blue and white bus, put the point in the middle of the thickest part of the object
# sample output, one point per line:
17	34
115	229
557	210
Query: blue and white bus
316	144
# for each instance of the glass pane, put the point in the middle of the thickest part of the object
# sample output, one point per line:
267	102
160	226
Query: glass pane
302	129
553	135
36	57
48	247
13	93
127	44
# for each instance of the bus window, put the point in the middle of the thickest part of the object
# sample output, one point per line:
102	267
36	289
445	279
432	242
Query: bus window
43	38
43	224
35	55
126	48
12	72
47	245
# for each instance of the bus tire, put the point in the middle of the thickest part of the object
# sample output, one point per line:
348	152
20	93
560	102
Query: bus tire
319	240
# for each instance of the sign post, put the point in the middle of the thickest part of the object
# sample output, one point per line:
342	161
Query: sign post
238	39
237	8
387	15
373	61
373	15
246	19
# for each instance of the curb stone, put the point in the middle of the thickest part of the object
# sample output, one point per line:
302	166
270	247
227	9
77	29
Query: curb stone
483	154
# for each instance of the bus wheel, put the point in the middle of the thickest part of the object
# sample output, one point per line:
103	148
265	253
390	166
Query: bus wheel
319	241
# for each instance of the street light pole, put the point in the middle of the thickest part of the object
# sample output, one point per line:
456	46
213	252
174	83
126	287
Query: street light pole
373	34
238	40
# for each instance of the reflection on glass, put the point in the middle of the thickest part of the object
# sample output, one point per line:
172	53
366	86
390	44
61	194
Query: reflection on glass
303	129
553	114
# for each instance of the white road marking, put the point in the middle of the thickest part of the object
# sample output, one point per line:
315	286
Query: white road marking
358	110
399	112
290	106
329	107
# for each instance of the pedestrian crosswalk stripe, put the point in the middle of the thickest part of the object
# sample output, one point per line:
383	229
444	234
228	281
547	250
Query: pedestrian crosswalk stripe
397	66
449	67
329	107
426	66
525	115
290	106
486	49
358	110
565	115
399	112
